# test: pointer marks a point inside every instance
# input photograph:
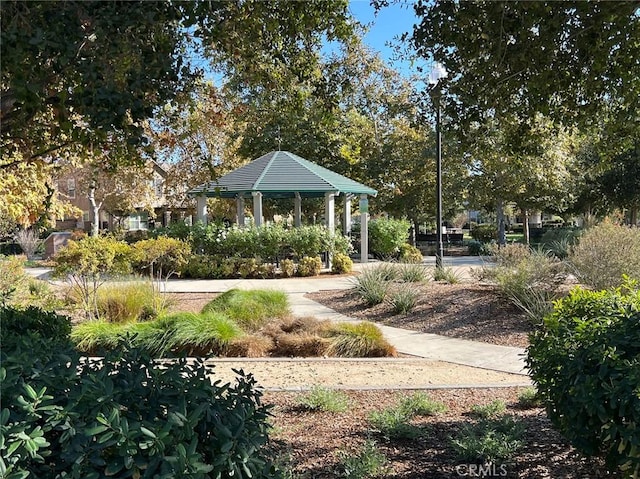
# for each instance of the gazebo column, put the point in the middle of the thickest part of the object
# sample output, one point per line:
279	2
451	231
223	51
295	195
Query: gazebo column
240	210
330	211
346	227
201	209
257	208
297	210
364	229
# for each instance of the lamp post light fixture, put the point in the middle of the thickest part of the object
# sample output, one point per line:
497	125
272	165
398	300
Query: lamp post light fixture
438	72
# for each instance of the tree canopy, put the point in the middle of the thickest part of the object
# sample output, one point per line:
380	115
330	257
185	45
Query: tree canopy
75	72
568	60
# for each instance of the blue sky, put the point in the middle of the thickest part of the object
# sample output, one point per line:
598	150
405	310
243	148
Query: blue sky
385	27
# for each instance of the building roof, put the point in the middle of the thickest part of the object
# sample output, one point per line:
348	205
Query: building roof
281	174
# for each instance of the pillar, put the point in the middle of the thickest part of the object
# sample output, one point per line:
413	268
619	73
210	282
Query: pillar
346	229
364	229
297	210
201	209
240	211
167	217
257	208
330	211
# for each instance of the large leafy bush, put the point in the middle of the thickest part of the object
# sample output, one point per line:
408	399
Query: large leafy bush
585	362
387	235
124	416
605	253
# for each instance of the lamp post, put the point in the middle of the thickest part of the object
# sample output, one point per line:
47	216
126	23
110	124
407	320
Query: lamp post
437	73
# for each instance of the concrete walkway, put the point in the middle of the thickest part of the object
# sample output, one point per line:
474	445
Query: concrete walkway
423	345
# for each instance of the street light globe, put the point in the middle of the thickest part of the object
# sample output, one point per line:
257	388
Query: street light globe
438	72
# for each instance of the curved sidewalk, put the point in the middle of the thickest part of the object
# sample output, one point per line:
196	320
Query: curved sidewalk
422	345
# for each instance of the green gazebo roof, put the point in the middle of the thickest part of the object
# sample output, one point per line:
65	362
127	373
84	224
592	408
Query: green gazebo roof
281	174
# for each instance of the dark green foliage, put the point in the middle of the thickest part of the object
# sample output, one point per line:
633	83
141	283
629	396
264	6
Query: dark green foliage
125	417
17	322
585	363
387	235
477	248
484	233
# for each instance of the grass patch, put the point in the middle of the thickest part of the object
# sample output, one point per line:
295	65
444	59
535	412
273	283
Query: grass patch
368	462
202	334
420	404
393	423
493	441
324	399
93	337
489	410
251	308
412	273
358	340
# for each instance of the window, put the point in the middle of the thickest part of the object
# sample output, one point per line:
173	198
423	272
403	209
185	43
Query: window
71	187
138	221
158	186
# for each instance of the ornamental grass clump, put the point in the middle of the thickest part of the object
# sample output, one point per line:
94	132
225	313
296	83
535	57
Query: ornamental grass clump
372	286
203	334
358	340
250	308
129	301
403	299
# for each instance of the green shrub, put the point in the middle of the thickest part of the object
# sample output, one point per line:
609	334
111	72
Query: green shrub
386	236
410	254
130	301
585	363
358	340
484	233
371	286
161	257
367	462
403	299
13	280
88	262
32	320
490	410
341	264
324	399
393	423
420	404
529	398
125	417
308	240
309	266
202	266
485	442
605	253
287	268
559	241
477	248
250	309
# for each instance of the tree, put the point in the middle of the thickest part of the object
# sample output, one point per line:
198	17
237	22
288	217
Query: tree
77	72
570	61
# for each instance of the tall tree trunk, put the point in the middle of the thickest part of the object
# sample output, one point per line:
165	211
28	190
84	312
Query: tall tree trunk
634	216
95	210
502	234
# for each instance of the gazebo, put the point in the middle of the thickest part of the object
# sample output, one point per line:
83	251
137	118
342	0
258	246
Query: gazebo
281	174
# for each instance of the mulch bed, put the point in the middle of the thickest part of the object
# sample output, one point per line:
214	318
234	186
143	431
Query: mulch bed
311	442
470	310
